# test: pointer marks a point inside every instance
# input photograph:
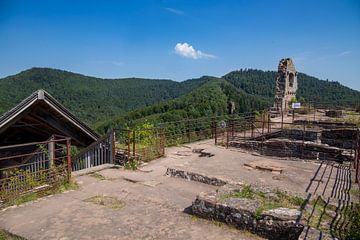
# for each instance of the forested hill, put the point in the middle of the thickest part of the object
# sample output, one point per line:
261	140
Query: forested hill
208	100
91	99
262	83
109	102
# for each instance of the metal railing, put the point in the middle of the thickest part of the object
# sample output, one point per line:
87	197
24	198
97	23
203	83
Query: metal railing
98	153
33	166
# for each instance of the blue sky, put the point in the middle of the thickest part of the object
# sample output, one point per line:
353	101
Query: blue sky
181	39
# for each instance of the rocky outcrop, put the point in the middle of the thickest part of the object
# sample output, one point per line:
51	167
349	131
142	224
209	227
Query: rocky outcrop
280	223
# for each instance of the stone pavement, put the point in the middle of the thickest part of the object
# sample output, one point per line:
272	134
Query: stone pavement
155	203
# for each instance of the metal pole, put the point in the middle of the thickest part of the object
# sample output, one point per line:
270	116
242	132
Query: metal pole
188	132
215	133
162	141
134	144
129	139
252	129
263	122
68	143
293	114
113	145
227	137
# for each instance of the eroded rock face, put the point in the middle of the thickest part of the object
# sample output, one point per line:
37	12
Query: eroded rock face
280	223
286	84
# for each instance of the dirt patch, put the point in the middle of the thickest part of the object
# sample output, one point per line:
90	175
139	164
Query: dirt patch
107	201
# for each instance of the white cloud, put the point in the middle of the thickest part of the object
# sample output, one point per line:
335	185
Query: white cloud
175	11
188	51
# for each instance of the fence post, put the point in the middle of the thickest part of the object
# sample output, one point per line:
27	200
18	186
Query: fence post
188	130
227	137
263	122
232	126
269	127
303	141
293	115
282	119
162	141
129	142
51	149
113	139
252	129
134	143
356	163
68	144
215	128
212	127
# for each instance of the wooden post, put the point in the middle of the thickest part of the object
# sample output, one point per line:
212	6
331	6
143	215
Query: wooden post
314	112
68	143
269	127
282	119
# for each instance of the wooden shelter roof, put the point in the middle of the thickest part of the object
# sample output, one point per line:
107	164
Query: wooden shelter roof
40	116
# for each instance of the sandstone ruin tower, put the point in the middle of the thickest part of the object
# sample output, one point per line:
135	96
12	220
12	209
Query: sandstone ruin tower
286	84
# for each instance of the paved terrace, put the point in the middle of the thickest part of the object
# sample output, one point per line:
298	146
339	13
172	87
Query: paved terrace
155	204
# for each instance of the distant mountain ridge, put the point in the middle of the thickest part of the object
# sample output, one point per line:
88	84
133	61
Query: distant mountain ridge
91	99
104	102
262	83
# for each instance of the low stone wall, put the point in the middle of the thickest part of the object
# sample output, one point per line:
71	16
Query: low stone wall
334	113
294	149
342	138
298	134
325	124
280	223
194	177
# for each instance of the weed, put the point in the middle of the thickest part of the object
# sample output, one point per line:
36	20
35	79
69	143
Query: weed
26	198
32	196
131	165
246	192
71	185
282	199
5	235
